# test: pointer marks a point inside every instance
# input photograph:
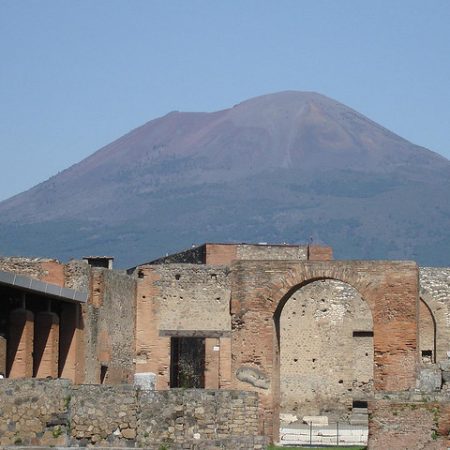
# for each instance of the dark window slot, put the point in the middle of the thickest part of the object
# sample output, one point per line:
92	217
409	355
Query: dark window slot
103	374
363	334
359	404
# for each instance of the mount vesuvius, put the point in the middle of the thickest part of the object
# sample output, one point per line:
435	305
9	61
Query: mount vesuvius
282	167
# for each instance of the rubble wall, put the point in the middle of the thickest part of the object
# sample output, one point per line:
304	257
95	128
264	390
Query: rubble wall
56	413
409	421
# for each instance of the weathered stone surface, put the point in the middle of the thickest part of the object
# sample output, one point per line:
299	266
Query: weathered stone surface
253	376
326	350
435	292
55	413
430	379
30	408
316	420
195	415
110	327
446	376
145	381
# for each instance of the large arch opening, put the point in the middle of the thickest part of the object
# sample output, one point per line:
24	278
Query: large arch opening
326	356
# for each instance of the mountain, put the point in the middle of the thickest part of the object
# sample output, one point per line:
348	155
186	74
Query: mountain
283	167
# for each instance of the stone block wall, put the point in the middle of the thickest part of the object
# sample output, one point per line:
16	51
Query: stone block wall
103	415
195	416
34	412
56	413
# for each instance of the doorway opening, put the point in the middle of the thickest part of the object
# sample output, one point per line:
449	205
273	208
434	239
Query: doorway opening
187	362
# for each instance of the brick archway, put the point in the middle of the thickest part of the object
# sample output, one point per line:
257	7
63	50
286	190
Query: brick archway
323	324
259	290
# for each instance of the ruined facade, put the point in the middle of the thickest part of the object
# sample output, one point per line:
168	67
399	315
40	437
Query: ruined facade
313	337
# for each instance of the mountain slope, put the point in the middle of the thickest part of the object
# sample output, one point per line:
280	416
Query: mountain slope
281	167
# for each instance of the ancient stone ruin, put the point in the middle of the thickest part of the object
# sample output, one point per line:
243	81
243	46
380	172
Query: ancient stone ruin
224	346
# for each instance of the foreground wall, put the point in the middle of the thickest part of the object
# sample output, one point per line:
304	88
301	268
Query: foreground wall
408	420
57	413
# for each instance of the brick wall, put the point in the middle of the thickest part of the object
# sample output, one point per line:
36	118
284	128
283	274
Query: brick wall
405	421
220	253
260	289
224	254
320	253
179	299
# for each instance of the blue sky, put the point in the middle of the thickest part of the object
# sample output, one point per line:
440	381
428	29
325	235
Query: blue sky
77	74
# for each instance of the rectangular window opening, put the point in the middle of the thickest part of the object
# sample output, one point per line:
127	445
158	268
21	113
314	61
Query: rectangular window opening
187	362
427	356
359	404
363	334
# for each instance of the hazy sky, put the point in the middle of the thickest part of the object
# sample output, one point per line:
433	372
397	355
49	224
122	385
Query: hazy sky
76	74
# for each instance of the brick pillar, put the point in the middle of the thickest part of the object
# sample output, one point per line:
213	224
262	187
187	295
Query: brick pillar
212	353
225	363
70	358
46	343
3	356
20	344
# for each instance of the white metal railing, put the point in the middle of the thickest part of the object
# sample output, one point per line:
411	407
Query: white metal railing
332	434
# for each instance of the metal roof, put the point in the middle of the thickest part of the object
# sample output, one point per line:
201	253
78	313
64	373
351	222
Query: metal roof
41	287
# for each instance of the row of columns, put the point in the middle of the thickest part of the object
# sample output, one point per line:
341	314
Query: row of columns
37	346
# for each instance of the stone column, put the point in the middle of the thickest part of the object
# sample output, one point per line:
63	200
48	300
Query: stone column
46	343
20	344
